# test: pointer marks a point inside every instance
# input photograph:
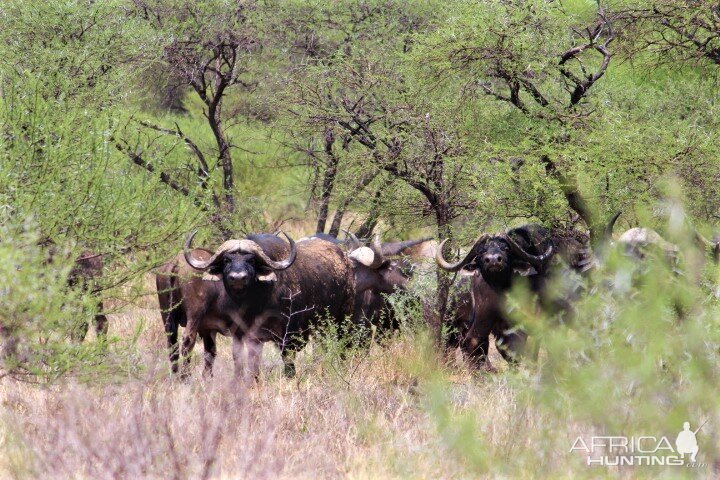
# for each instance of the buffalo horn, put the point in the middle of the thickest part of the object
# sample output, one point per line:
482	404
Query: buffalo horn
352	240
454	267
534	260
610	226
228	246
277	265
378	258
231	246
713	246
397	248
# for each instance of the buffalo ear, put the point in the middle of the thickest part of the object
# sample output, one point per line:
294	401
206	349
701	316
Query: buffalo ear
216	269
267	277
214	272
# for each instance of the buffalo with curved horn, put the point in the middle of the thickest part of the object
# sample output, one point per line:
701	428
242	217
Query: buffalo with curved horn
258	289
376	276
637	240
263	289
713	247
495	261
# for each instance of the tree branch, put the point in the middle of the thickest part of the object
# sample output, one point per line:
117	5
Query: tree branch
165	177
203	171
572	193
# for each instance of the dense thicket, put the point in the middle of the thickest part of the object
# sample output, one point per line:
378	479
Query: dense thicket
390	111
126	123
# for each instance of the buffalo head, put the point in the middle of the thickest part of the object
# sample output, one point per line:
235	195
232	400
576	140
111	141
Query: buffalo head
494	256
240	263
374	271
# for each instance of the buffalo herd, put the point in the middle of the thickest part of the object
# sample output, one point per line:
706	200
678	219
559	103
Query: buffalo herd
263	288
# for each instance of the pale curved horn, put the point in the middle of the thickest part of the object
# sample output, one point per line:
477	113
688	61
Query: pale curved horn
702	240
378	258
454	267
231	246
714	247
227	247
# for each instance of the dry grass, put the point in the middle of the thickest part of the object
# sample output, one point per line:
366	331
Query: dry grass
396	411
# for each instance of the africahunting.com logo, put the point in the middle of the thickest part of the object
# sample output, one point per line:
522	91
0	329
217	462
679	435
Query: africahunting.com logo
609	451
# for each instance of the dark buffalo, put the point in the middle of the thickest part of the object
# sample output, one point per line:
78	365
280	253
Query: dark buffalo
85	274
495	262
261	289
571	246
371	307
639	241
712	246
384	276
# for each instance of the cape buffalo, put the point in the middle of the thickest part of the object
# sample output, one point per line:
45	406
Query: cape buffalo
86	272
383	276
371	306
261	289
495	262
638	241
712	246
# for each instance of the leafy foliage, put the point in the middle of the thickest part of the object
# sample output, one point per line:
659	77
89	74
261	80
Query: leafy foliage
124	124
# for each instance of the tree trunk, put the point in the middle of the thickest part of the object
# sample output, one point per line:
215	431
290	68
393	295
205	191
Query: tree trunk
214	116
444	282
328	182
574	198
366	229
227	164
338	218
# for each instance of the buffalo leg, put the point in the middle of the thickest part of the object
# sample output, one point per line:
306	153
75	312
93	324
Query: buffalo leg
210	352
288	358
188	343
476	343
288	350
238	352
477	348
248	367
511	345
79	332
254	353
171	330
101	322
